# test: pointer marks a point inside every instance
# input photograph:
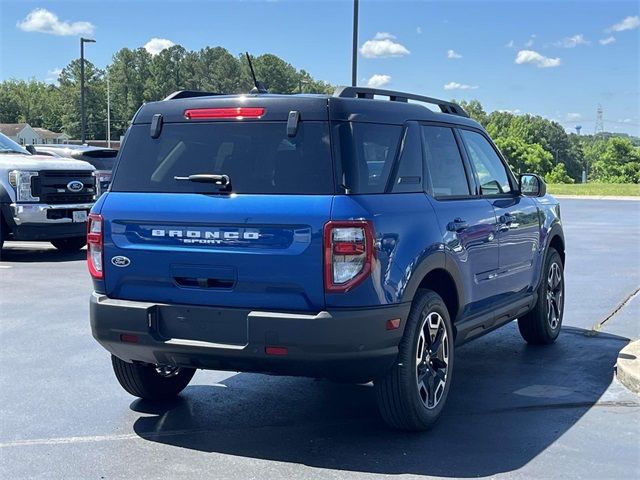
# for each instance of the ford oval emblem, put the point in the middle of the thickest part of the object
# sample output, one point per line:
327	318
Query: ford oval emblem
121	261
75	186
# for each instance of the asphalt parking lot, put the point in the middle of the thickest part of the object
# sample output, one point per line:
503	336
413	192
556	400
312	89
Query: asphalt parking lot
515	411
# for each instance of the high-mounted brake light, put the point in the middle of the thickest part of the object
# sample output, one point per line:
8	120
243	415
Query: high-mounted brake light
348	254
95	241
236	112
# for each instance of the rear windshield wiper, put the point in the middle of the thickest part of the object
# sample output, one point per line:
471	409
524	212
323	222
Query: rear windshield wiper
221	180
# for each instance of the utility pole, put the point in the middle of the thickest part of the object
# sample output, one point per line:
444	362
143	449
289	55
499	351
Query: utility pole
83	119
354	54
108	113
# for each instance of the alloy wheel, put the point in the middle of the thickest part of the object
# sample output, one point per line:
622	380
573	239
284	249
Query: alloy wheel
432	360
555	295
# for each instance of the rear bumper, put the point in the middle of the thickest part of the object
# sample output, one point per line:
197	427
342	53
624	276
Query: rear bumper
349	344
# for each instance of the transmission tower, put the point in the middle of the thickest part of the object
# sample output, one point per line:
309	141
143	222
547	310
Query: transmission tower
599	121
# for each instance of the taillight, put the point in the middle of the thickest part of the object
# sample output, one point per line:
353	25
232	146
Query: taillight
95	240
236	112
348	254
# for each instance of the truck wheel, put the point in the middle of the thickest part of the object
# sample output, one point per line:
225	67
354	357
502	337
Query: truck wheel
69	244
412	394
541	325
151	382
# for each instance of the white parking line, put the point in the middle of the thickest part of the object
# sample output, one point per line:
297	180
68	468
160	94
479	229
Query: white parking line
6	266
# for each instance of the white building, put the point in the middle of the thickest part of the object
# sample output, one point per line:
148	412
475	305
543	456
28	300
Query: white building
49	137
24	134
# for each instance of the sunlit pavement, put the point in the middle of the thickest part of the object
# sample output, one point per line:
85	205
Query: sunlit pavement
514	411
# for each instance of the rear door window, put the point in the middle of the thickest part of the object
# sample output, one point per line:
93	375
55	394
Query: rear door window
444	162
258	157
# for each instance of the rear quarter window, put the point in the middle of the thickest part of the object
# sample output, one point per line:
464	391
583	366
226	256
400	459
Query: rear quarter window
367	152
258	157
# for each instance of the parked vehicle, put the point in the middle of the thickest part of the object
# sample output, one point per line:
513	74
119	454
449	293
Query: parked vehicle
103	159
346	236
44	198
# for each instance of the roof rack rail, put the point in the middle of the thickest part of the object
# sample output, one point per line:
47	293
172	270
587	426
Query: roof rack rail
366	92
189	94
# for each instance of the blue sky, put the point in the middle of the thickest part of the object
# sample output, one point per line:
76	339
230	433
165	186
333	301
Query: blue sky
559	59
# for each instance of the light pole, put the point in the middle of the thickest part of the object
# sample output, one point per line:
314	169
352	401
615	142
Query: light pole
83	120
354	54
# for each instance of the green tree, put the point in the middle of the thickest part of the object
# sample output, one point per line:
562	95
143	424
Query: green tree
618	163
558	175
95	100
128	73
525	157
475	111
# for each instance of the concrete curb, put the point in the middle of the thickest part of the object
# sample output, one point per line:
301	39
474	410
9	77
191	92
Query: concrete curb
595	197
628	366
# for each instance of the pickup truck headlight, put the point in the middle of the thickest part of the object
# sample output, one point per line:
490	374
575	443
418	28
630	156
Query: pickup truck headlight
21	181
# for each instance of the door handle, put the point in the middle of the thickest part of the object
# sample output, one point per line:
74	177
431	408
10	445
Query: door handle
457	225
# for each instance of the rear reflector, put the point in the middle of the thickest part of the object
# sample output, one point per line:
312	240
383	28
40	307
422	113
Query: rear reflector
276	350
393	324
127	337
238	113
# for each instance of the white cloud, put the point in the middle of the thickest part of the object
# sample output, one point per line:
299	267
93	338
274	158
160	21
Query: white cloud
384	36
540	61
156	45
453	54
529	43
628	23
52	75
44	21
512	112
511	44
572	117
625	120
459	86
383	45
419	30
377	80
607	41
572	42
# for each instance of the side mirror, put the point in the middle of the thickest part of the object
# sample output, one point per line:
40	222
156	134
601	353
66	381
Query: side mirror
532	185
31	149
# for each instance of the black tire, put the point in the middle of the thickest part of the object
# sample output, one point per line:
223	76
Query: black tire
144	381
69	244
541	326
399	394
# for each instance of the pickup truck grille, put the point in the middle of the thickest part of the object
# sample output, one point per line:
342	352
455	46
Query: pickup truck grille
52	187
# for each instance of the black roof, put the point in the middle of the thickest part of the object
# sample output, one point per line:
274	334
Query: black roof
355	106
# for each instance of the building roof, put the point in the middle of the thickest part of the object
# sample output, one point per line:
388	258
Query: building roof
44	133
12	129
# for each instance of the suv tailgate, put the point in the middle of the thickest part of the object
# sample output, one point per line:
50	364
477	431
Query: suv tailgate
251	251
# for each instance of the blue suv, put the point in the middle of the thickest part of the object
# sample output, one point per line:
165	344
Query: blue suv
360	236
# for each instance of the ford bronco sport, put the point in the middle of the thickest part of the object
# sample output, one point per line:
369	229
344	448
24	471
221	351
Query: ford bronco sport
357	236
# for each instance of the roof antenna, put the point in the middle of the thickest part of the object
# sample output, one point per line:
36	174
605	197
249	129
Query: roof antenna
259	86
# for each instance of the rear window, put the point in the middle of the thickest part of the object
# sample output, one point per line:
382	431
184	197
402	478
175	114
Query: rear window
258	157
101	159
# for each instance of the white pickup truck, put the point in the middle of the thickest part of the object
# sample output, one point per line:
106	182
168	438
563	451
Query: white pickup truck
44	198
